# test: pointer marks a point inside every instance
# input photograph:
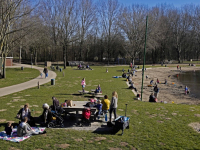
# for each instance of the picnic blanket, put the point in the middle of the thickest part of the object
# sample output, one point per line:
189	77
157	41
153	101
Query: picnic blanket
14	137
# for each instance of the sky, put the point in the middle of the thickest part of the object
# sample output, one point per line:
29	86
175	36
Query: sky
151	3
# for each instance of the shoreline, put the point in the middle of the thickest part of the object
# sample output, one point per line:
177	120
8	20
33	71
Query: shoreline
170	93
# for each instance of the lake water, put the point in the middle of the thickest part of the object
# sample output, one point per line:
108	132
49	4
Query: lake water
192	80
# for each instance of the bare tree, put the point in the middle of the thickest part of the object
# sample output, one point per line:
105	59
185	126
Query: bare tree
109	14
87	13
132	23
11	13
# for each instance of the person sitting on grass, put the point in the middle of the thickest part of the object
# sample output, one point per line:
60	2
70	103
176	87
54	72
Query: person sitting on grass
132	86
24	129
8	129
106	104
98	89
26	112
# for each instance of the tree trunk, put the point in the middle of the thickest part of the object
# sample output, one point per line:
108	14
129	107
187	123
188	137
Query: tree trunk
20	53
65	56
4	67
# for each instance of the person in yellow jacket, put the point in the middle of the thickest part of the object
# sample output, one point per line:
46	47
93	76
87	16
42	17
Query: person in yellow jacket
106	104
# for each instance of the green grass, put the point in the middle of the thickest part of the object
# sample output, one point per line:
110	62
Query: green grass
152	125
16	76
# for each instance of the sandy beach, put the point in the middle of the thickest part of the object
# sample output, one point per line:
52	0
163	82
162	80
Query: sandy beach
167	93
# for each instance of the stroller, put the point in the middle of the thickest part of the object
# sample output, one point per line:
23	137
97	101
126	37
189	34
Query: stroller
85	117
56	119
122	122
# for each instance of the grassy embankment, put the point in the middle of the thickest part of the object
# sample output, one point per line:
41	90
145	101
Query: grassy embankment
16	76
152	125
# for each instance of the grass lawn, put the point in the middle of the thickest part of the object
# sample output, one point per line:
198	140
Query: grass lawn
152	125
16	76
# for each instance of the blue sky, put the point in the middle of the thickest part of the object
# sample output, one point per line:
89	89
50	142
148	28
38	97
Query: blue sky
150	3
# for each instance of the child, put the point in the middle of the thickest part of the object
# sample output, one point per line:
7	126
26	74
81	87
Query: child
8	129
99	107
41	74
83	84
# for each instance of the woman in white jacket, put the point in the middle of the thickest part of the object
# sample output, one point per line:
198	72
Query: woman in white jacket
113	105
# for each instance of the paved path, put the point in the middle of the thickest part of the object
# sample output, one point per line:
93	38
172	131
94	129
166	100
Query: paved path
29	84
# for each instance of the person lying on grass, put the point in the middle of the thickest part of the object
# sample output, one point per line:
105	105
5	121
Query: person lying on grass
24	129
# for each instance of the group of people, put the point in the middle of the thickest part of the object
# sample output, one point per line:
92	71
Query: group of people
108	106
27	121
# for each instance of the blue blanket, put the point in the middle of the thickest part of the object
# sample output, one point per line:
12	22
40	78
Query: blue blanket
14	137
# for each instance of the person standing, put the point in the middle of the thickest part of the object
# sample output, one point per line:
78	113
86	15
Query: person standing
83	84
113	105
186	90
156	91
106	104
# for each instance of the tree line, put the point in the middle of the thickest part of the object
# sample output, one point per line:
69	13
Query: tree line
103	30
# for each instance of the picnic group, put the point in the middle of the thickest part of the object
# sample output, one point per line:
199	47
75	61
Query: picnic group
53	114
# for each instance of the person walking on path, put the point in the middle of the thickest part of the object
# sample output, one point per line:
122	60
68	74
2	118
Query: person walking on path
113	105
45	71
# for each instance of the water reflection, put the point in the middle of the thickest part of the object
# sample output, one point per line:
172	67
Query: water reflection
192	80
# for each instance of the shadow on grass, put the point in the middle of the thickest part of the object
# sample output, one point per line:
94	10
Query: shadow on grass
106	130
89	96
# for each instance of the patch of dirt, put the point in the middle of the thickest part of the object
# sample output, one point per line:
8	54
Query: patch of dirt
48	145
159	121
78	140
111	148
9	103
38	112
17	97
195	126
90	141
123	144
62	145
168	118
197	115
120	109
174	114
13	148
3	110
22	100
110	141
12	106
99	138
35	106
2	120
27	95
15	100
